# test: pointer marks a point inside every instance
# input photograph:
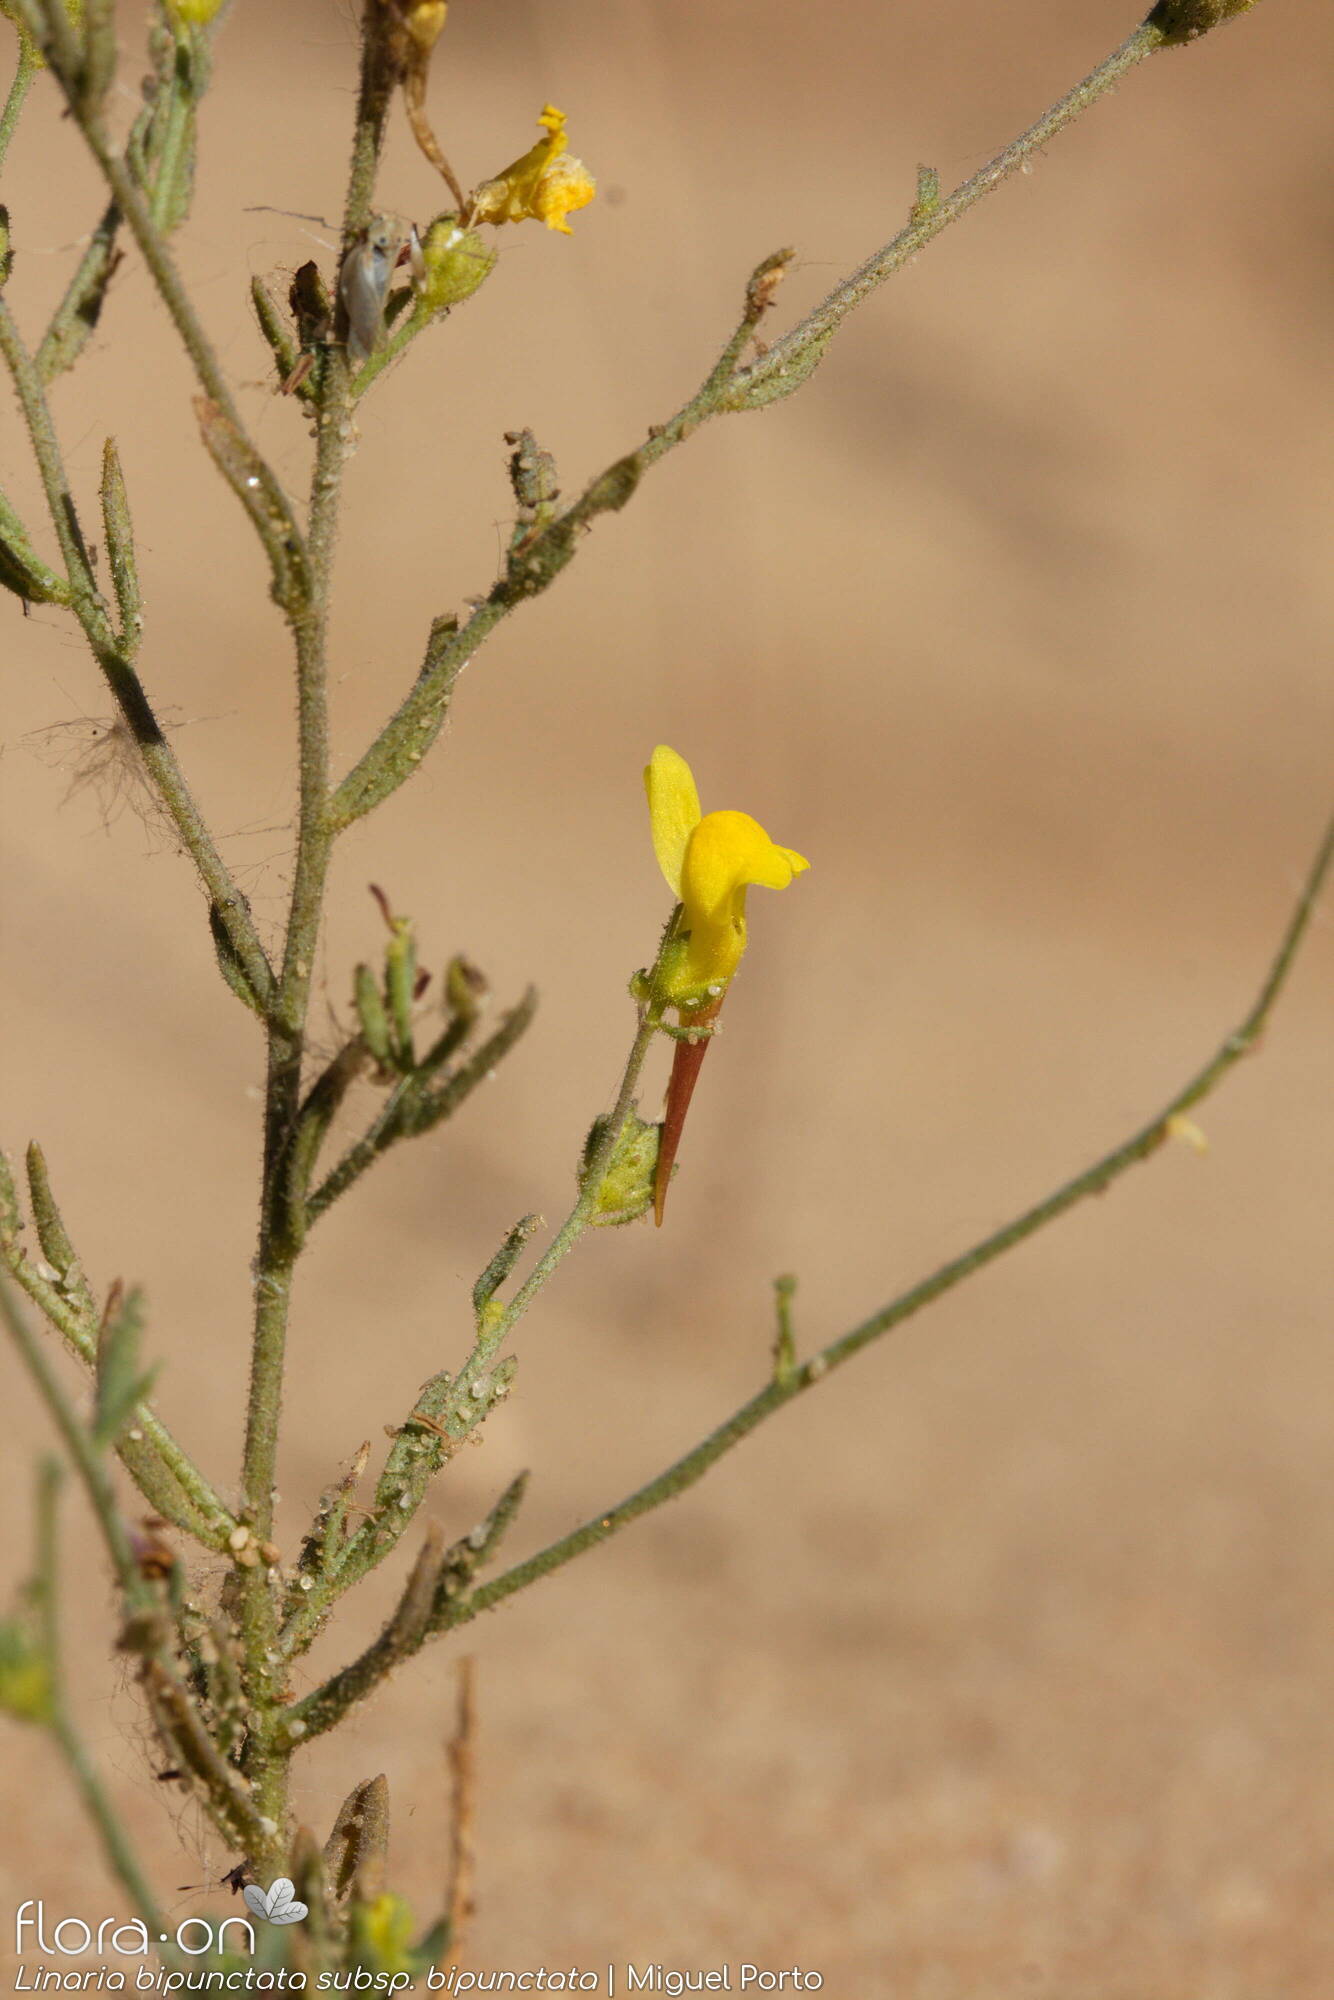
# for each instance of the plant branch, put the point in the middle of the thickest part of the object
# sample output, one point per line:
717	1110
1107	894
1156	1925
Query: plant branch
150	215
138	216
791	359
78	1442
793	1380
449	1408
287	1026
437	1579
268	1751
413	1106
539	558
590	1184
18	93
116	1845
162	1470
91	610
374	94
148	1627
79	310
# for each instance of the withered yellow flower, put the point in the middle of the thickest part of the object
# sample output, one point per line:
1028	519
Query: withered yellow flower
546	185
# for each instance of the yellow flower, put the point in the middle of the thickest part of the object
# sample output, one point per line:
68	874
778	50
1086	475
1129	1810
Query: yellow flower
545	185
709	860
382	1930
26	1691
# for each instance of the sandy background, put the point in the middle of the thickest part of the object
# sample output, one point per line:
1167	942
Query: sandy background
1001	1666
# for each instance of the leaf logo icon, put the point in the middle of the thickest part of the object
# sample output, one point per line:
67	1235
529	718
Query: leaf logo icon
278	1906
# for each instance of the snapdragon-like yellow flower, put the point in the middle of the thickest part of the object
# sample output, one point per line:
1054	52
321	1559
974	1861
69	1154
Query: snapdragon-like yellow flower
709	860
546	185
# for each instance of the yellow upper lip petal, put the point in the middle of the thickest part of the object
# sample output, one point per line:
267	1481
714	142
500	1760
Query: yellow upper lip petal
674	813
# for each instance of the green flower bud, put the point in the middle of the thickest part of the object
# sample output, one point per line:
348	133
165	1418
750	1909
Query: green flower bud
626	1188
1181	21
450	264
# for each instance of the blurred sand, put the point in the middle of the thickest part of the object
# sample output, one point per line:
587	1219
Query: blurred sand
1001	1666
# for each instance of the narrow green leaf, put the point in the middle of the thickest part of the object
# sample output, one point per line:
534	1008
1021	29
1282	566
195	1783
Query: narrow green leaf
230	966
21	568
121	1385
400	988
54	1238
263	499
369	1001
274	328
119	531
496	1272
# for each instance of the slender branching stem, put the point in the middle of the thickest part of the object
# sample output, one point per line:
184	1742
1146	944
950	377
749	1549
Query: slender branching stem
268	1752
74	318
729	387
87	1460
238	1752
153	247
91	610
324	1707
410	1108
116	1845
148	1630
797	350
374	94
267	1759
449	1408
315	832
140	213
18	94
576	1222
162	1470
791	1382
160	1467
288	1022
